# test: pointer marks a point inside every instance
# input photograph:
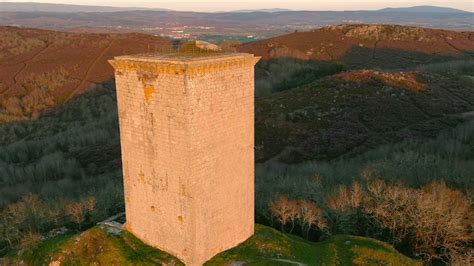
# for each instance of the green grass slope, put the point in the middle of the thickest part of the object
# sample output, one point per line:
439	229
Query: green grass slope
271	247
267	247
97	247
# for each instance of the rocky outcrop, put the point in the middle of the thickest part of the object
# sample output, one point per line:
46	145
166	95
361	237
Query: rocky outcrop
285	51
384	32
404	80
363	42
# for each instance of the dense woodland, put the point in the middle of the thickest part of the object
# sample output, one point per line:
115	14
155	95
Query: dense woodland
63	169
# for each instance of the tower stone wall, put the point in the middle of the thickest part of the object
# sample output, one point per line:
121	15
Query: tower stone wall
187	137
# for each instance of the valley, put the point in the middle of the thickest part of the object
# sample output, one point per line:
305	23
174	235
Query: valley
351	119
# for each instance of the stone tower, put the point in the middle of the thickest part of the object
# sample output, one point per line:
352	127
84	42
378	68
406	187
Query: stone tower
187	136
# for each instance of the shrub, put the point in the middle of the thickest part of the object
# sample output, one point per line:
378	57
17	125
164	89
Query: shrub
20	221
30	240
80	211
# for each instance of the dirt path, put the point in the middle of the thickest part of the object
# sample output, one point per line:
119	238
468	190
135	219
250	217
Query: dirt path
374	50
290	261
462	114
86	76
454	47
15	76
469	115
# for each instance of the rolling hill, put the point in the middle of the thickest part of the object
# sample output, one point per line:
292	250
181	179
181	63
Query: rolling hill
360	44
424	9
261	23
355	111
344	114
41	69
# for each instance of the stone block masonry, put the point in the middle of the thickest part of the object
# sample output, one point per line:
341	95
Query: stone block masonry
187	136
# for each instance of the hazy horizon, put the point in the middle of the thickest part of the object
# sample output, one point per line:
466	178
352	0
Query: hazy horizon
215	6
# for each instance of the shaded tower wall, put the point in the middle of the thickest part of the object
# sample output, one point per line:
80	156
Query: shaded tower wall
187	137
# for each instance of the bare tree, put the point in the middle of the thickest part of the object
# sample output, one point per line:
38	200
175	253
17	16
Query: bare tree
347	198
435	221
284	210
294	213
77	212
393	207
30	240
89	203
344	208
443	222
310	216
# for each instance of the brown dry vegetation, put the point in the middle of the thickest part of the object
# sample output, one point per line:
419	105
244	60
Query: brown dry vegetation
434	222
13	43
336	42
406	80
41	69
368	46
78	210
22	222
306	213
41	88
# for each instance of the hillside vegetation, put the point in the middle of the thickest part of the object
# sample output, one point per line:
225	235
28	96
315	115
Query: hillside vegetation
354	111
40	70
63	169
364	46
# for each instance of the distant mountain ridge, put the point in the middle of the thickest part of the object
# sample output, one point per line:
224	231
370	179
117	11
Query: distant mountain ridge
69	8
65	8
424	9
266	10
263	23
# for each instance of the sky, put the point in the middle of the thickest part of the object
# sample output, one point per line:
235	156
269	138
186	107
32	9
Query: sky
222	5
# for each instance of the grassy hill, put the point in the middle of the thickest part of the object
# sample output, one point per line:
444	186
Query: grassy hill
266	247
